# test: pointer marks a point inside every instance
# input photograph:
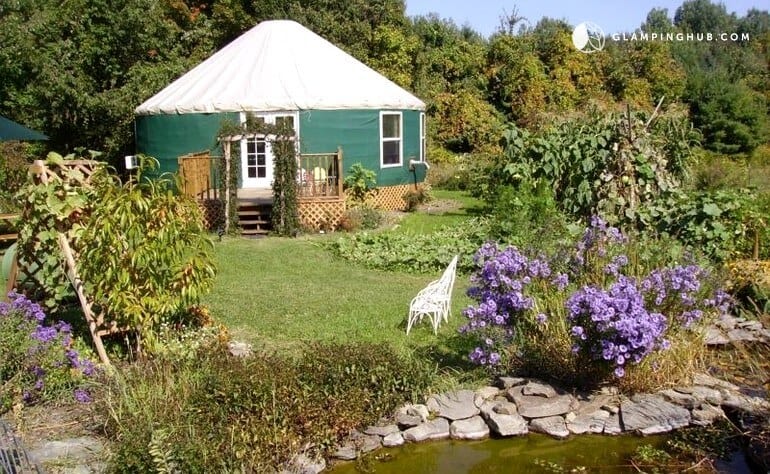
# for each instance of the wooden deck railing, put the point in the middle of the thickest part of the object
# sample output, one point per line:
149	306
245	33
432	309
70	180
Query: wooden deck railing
198	174
319	176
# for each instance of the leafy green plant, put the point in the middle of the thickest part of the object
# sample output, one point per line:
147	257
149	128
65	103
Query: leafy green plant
720	224
420	253
215	412
144	254
360	183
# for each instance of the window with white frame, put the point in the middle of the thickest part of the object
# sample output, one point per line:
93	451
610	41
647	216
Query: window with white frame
422	136
390	139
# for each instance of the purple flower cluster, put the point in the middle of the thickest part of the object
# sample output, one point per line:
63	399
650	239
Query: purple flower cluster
500	287
597	238
49	351
614	325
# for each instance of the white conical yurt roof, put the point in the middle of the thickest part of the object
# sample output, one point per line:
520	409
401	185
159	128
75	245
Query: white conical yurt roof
279	65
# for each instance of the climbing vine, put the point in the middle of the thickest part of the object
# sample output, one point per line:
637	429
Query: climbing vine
285	219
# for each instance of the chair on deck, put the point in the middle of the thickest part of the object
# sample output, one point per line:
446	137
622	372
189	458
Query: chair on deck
435	300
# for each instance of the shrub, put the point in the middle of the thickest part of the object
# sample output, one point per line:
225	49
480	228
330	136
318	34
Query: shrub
415	197
39	361
597	311
217	413
145	254
14	162
360	183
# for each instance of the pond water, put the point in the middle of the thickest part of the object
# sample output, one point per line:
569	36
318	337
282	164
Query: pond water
531	453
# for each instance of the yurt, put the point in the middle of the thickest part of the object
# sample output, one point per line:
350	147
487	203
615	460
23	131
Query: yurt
282	71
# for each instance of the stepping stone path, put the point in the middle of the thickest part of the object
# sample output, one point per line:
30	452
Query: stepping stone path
517	406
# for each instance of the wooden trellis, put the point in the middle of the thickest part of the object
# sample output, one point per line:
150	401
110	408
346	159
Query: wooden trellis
76	173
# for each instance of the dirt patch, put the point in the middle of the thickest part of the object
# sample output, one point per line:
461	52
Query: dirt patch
440	206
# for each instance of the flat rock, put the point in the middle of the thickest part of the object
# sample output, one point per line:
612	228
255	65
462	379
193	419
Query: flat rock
346	452
706	394
503	419
508	382
681	398
304	464
651	414
552	425
74	448
418	410
715	337
239	349
751	325
744	403
405	421
726	322
535	406
437	428
612	425
538	389
706	414
365	443
470	428
381	430
589	422
713	382
453	405
392	440
483	394
742	335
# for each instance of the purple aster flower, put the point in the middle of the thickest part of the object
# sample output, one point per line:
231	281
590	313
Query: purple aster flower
82	395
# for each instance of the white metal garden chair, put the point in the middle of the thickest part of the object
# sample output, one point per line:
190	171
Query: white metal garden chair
435	300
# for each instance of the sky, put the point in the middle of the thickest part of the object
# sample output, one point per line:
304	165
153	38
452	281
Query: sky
613	17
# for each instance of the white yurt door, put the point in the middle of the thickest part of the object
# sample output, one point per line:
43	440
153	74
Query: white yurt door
256	152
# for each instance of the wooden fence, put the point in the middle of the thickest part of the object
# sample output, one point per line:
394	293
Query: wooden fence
198	173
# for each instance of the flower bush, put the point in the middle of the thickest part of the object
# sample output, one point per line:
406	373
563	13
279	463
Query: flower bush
607	308
39	361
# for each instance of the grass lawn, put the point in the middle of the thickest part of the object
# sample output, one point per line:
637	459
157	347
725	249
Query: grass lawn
278	293
446	208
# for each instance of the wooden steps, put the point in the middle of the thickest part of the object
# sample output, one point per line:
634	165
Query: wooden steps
254	217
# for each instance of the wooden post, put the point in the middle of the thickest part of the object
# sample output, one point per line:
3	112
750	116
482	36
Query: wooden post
340	172
77	283
226	149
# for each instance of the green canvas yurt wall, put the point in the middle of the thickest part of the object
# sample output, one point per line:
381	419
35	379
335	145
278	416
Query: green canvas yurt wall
358	133
166	137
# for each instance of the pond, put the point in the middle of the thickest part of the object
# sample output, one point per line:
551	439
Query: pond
531	453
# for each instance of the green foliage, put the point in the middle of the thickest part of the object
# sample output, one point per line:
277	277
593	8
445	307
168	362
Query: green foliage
360	183
719	224
49	209
609	165
144	254
420	253
219	413
14	162
527	215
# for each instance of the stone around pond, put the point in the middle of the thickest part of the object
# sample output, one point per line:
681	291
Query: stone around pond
483	394
453	405
713	382
652	414
434	429
538	390
682	399
552	425
592	422
393	439
612	425
471	428
381	430
502	418
508	382
536	406
706	415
